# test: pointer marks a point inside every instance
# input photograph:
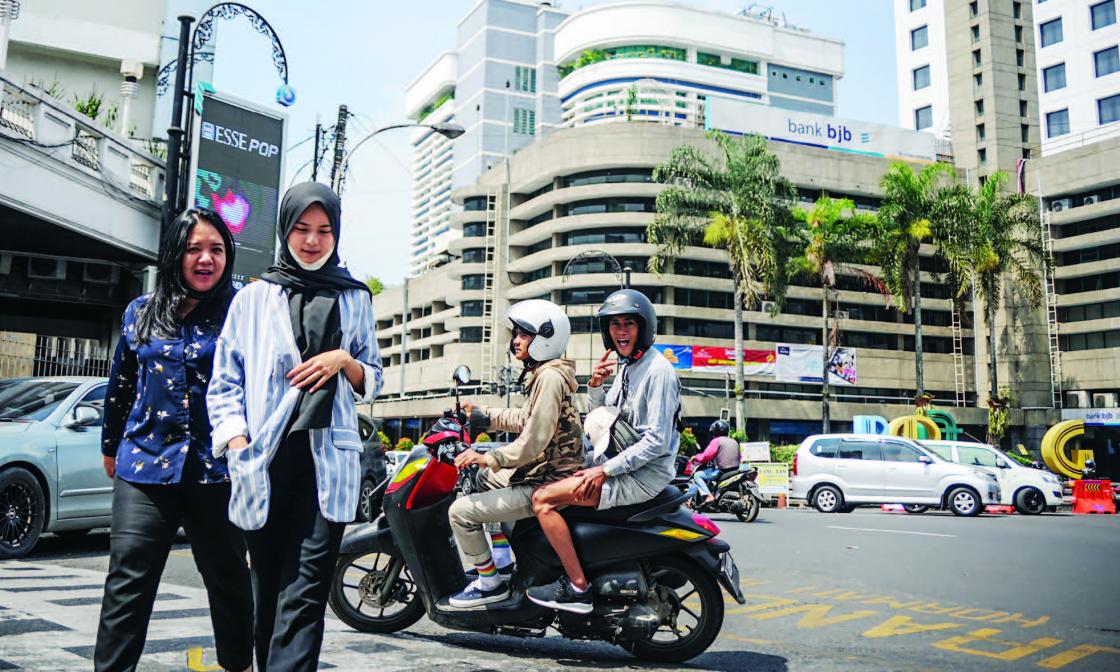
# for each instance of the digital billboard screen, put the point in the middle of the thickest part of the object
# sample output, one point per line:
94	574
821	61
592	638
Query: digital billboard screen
238	163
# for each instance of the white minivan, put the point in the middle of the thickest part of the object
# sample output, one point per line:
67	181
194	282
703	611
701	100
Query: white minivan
1030	491
836	472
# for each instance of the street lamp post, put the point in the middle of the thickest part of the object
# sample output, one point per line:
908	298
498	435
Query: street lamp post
446	129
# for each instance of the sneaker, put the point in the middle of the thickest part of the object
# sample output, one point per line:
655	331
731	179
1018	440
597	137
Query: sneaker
504	572
474	595
560	595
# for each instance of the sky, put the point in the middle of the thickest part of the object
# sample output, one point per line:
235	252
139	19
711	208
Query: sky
364	54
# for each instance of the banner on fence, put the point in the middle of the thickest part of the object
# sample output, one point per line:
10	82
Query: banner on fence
802	364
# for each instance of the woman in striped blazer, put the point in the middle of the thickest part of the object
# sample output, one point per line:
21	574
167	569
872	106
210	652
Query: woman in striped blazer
296	348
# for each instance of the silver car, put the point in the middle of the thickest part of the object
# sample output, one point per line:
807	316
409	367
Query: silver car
51	473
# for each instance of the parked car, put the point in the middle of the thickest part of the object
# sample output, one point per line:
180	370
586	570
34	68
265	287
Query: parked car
374	468
837	472
1030	491
51	474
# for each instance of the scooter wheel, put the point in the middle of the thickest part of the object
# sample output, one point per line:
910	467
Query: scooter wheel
749	509
356	587
685	633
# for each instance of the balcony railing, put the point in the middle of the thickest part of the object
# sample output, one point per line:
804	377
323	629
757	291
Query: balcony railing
30	117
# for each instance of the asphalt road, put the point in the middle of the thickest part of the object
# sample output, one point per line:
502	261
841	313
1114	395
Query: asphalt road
860	591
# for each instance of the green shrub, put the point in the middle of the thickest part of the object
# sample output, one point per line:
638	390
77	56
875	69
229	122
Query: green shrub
783	453
404	444
688	442
483	438
739	435
383	438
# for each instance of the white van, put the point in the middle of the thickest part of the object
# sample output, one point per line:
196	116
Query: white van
836	472
1030	491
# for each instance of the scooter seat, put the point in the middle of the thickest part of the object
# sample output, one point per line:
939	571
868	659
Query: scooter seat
670	497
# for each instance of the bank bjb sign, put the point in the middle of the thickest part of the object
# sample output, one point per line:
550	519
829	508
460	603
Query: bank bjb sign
237	171
815	130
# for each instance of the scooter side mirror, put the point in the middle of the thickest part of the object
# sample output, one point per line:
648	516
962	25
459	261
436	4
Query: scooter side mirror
462	375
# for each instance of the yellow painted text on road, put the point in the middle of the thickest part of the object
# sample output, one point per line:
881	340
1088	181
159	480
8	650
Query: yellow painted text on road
815	615
1010	650
904	625
1075	654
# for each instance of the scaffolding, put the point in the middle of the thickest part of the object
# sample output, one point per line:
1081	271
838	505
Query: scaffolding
1054	348
959	380
486	375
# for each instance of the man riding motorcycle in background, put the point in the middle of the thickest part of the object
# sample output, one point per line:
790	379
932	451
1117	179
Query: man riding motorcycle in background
721	454
549	447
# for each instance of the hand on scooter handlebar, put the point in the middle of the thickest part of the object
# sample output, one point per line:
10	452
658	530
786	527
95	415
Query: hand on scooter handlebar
474	417
469	457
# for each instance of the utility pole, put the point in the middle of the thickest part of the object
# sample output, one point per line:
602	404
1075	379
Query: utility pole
175	132
315	156
339	150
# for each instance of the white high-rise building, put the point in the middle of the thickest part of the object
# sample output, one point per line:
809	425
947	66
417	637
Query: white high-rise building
1078	55
521	69
1076	49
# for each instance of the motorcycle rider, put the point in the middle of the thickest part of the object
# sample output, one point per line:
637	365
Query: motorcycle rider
647	393
721	454
549	446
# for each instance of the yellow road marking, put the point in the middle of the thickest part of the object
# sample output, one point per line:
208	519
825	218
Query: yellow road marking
1075	654
904	625
194	661
749	640
815	615
1014	650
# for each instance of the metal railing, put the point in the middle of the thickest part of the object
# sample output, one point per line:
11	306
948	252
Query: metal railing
30	355
33	118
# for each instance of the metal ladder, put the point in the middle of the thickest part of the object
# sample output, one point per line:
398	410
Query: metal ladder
1052	315
487	373
959	380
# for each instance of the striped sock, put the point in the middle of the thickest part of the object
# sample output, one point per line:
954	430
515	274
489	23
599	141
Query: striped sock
487	574
502	555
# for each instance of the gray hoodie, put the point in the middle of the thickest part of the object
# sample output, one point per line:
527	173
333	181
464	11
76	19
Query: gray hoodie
650	404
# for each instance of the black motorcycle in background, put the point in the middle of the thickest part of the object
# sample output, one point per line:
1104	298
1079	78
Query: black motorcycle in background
736	491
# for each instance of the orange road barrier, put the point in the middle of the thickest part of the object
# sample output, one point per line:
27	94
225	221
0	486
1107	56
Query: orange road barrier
1093	497
999	508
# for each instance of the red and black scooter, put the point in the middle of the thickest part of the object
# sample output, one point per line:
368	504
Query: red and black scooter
656	568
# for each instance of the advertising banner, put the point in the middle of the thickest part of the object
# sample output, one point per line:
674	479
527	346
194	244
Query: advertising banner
680	356
815	130
715	359
1093	417
802	364
754	451
238	160
773	478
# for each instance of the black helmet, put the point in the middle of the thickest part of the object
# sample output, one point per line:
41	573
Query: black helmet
628	302
719	428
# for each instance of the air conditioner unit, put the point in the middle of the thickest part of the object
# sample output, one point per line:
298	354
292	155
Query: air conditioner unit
768	306
1090	200
1104	400
100	274
841	314
1060	204
43	268
1078	399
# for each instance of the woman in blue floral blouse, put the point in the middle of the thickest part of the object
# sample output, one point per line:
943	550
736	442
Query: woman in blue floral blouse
156	442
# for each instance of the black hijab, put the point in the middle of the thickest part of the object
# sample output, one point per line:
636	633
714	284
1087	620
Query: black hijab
312	296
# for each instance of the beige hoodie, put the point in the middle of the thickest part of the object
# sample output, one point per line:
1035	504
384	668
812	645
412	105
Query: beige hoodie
550	444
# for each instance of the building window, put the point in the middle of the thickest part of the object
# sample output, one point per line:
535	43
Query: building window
979	136
1018	34
1108	109
475	255
526	78
976	33
980	107
921	77
973	9
923	117
474	281
524	121
919	37
1057	123
1051	32
1103	13
1106	61
1017	10
1020	57
978	79
982	155
1022	108
470	309
976	58
915	5
1054	77
1024	132
470	335
1022	82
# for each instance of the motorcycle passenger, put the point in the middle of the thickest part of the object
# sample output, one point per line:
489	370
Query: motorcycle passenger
549	446
647	393
721	454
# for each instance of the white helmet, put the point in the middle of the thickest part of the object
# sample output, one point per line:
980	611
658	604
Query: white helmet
547	323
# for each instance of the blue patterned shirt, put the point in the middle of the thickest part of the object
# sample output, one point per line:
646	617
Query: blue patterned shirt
156	420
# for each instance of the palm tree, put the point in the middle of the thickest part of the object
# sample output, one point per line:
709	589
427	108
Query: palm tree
916	208
738	203
835	239
1004	239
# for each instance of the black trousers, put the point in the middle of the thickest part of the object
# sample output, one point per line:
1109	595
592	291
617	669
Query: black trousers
145	520
292	558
